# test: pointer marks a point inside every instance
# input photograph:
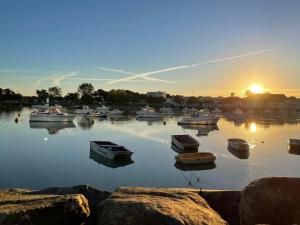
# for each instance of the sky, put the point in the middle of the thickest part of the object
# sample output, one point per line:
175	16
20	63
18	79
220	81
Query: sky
181	47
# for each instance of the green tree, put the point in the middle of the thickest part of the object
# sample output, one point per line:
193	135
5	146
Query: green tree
42	95
54	91
85	89
72	97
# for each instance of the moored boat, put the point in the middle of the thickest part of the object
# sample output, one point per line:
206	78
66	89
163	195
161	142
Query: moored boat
185	141
294	142
148	112
110	150
84	110
53	114
203	117
115	112
238	144
97	114
196	158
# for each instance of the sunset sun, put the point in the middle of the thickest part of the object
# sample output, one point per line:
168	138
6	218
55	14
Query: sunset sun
256	89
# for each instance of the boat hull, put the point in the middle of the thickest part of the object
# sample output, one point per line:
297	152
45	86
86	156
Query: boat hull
196	158
185	146
109	154
238	145
188	121
51	118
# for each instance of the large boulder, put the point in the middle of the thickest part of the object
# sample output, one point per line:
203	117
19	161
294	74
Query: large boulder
148	206
19	206
226	203
274	200
92	194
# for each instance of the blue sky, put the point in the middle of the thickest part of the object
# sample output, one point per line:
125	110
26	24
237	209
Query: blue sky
68	41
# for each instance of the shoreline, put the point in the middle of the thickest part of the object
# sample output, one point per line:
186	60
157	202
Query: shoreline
85	204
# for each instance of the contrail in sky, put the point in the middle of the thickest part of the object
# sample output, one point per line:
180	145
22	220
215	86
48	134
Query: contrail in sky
143	75
46	78
57	81
134	74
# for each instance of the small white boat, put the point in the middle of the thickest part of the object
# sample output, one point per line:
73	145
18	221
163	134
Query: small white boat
53	114
110	150
185	141
238	144
294	142
84	110
196	158
148	112
203	117
102	109
115	112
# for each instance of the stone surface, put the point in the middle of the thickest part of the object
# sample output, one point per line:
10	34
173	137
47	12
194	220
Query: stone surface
271	201
148	206
92	194
19	206
226	203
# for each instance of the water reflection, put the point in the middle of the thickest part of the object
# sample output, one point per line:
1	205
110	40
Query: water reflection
85	123
151	121
108	162
183	167
295	150
239	154
203	130
52	127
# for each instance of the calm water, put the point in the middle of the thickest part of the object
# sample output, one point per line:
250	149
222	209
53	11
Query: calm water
40	154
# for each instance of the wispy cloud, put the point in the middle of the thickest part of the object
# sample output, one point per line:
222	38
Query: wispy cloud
57	80
38	83
143	75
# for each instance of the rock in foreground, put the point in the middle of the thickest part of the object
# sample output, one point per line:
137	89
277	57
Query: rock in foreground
148	206
274	200
19	206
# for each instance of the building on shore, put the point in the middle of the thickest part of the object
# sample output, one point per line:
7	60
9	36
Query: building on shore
157	94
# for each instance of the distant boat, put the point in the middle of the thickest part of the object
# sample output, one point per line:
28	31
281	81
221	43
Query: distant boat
84	110
196	158
238	144
53	114
148	112
97	114
166	110
102	109
189	110
115	112
203	117
110	150
185	142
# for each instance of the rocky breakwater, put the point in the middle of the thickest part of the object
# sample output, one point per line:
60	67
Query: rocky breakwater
274	200
148	206
21	207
